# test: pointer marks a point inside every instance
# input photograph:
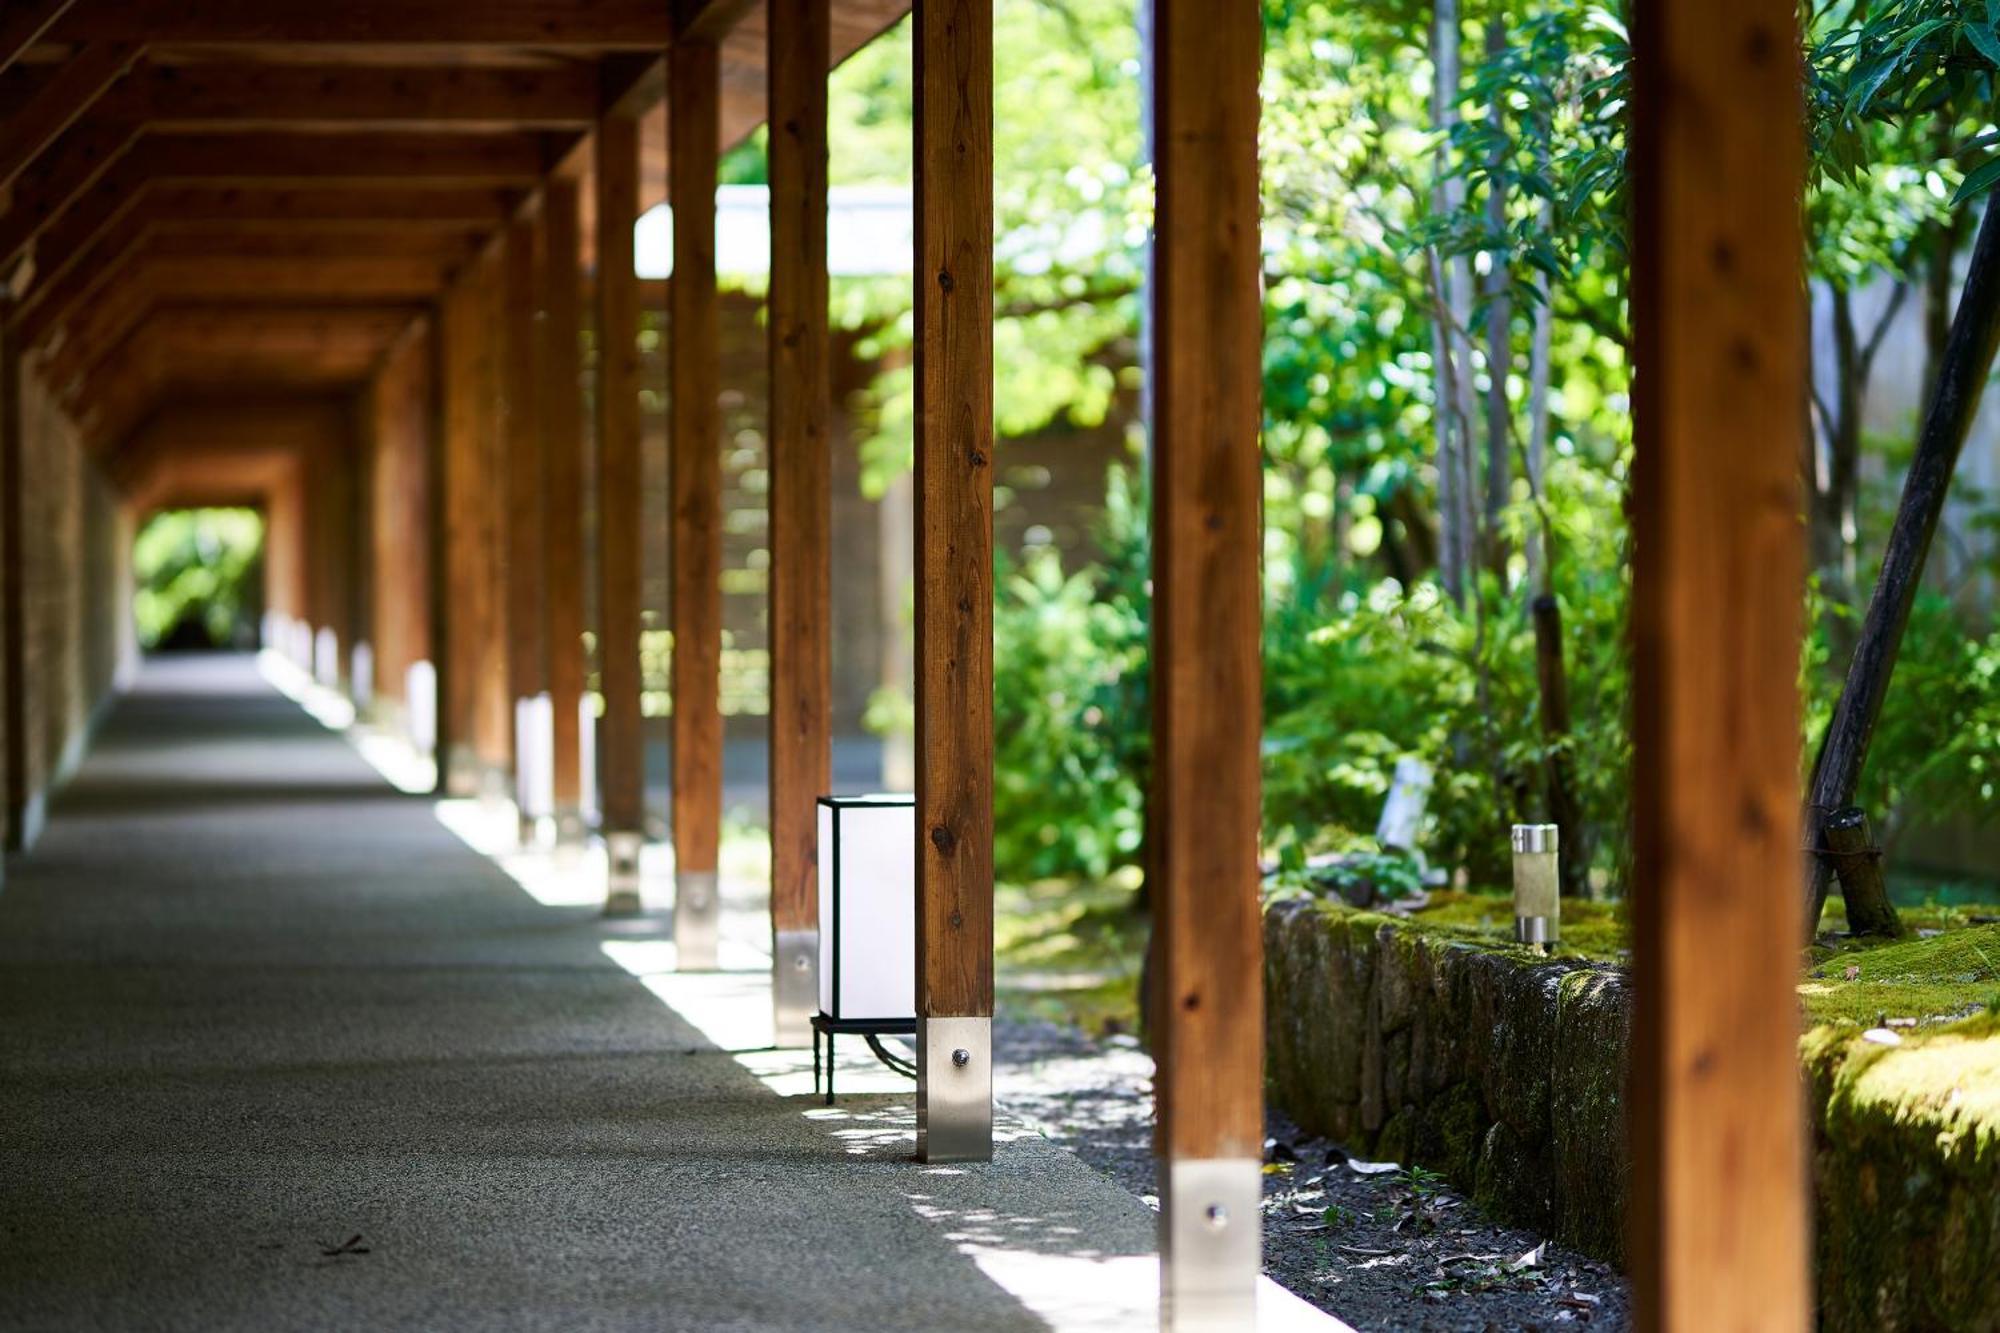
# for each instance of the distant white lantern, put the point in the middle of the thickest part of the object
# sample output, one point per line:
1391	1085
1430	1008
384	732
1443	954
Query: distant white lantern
867	920
420	706
361	676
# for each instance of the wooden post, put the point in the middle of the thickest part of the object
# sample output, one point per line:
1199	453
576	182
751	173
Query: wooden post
13	594
801	500
954	591
694	375
527	647
620	747
1718	1229
1207	673
562	440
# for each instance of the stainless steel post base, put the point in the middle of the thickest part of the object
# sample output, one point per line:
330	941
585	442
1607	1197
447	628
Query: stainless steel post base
954	1089
572	828
697	920
621	878
1535	930
461	771
794	987
1211	1244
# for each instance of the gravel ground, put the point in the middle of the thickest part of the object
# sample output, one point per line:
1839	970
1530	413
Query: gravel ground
1376	1246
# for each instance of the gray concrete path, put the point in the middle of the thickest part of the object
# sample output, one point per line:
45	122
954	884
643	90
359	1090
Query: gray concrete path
254	1003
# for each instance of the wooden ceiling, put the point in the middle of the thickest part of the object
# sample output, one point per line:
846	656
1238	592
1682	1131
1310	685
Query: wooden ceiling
198	195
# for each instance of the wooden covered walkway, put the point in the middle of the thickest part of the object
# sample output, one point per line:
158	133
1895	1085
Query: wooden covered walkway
368	265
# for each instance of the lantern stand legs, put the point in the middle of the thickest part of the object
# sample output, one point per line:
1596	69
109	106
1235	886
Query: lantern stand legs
873	1030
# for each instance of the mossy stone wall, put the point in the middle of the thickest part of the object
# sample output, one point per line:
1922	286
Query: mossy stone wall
1495	1067
1505	1071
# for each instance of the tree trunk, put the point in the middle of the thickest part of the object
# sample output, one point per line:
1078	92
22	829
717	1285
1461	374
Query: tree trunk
1968	359
1452	394
1552	683
1499	349
1850	856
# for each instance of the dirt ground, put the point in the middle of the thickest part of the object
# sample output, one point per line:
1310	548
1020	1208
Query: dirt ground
1371	1243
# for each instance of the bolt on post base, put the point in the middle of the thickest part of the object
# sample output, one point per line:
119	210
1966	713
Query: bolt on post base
794	987
1211	1250
621	879
954	1089
697	920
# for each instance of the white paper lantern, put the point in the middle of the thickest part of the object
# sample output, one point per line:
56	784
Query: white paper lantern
868	911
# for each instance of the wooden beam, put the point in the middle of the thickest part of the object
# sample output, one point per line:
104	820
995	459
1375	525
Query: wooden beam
694	373
523	481
620	746
598	25
71	188
366	279
58	103
504	158
954	592
25	22
91	150
561	400
712	20
1207	691
801	502
112	217
243	96
14	682
323	207
1719	1217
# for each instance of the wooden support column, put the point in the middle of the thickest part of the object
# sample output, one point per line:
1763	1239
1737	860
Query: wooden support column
801	504
563	445
1207	672
694	362
1719	1229
474	713
527	646
13	593
620	747
954	591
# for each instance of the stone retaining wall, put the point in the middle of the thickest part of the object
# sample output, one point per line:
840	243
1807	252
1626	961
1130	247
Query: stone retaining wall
1505	1071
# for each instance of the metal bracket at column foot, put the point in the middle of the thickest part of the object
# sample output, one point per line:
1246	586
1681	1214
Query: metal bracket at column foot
572	829
621	875
954	1089
697	920
1211	1250
794	987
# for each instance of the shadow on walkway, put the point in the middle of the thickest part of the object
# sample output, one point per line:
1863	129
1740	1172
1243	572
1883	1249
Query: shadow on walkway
254	1003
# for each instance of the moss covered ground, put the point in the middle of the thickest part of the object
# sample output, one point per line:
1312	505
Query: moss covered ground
1946	967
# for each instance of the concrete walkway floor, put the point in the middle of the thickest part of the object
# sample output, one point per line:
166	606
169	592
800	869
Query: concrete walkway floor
278	1051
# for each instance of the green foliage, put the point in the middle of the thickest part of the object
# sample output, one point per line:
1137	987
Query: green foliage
1936	750
1396	673
198	576
1072	745
1070	215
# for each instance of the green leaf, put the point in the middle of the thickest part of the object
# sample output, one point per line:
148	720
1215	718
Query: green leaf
1978	181
1981	35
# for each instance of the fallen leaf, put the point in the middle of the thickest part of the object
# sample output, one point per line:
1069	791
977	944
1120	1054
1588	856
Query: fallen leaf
1361	1168
1532	1259
1853	972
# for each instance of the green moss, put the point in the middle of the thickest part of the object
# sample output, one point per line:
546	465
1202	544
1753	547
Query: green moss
1907	1142
1589	929
1947	976
1070	952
